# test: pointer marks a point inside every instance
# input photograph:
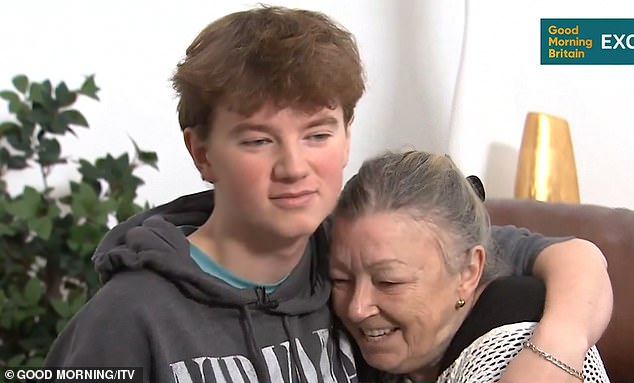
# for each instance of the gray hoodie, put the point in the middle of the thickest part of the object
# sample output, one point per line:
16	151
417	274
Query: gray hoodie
158	310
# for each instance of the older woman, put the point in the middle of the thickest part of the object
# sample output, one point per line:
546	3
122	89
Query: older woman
418	285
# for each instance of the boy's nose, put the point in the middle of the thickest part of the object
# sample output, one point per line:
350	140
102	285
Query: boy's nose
291	165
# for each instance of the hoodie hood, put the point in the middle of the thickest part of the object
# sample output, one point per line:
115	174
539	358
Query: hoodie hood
151	240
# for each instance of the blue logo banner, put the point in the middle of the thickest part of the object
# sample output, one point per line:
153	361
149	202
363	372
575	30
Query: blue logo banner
587	41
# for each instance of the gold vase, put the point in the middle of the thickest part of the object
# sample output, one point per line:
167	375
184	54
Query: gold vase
546	169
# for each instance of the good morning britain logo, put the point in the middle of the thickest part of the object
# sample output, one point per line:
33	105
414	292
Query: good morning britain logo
587	41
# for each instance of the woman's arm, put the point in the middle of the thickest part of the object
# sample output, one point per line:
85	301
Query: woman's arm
577	311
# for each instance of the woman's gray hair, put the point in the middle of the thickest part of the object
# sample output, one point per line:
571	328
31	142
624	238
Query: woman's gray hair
429	188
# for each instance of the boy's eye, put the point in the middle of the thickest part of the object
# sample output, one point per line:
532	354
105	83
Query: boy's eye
255	142
319	136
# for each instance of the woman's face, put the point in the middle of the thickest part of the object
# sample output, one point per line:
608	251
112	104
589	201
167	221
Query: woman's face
393	292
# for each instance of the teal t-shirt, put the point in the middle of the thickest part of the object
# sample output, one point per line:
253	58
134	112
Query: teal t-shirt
211	267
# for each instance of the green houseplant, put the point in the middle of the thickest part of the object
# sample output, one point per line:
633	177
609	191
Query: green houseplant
49	232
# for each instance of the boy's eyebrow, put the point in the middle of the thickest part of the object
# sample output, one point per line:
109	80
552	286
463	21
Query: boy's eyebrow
326	120
251	126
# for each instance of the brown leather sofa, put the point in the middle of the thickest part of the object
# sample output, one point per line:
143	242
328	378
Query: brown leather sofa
612	230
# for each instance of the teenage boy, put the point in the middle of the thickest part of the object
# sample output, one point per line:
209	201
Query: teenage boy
230	285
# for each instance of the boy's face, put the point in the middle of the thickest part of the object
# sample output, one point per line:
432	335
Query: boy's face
277	173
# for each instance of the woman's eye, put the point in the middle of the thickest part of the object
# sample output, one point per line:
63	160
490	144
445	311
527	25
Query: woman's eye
389	283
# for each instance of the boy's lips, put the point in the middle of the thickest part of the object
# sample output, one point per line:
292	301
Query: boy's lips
292	194
293	199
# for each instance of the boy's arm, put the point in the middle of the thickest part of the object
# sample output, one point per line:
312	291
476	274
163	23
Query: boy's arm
102	334
578	301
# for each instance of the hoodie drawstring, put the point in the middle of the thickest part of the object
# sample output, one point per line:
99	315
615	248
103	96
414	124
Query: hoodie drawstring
259	364
261	369
294	352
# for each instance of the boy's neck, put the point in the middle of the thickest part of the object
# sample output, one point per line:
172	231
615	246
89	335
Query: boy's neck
260	260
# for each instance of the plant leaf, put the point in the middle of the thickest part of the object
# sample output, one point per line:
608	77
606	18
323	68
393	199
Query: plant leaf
17	162
89	88
40	96
84	201
41	116
53	211
127	208
21	83
47	86
7	127
84	238
89	171
6	230
61	323
18	140
26	205
49	152
16	360
10	96
64	96
17	107
35	362
61	307
42	226
59	125
33	291
4	157
74	117
36	93
148	158
77	303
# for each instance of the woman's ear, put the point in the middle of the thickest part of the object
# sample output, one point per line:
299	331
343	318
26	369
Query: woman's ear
471	274
198	150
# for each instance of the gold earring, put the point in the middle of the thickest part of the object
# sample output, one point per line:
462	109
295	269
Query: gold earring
460	303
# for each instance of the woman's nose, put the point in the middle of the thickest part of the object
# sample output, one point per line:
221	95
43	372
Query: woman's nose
362	303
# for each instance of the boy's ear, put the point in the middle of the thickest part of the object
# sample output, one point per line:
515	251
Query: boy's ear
198	150
471	274
346	152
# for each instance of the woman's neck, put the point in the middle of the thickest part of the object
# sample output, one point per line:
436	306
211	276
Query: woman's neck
423	375
430	372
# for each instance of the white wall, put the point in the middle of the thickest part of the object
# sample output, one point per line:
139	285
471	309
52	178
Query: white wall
411	50
502	79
